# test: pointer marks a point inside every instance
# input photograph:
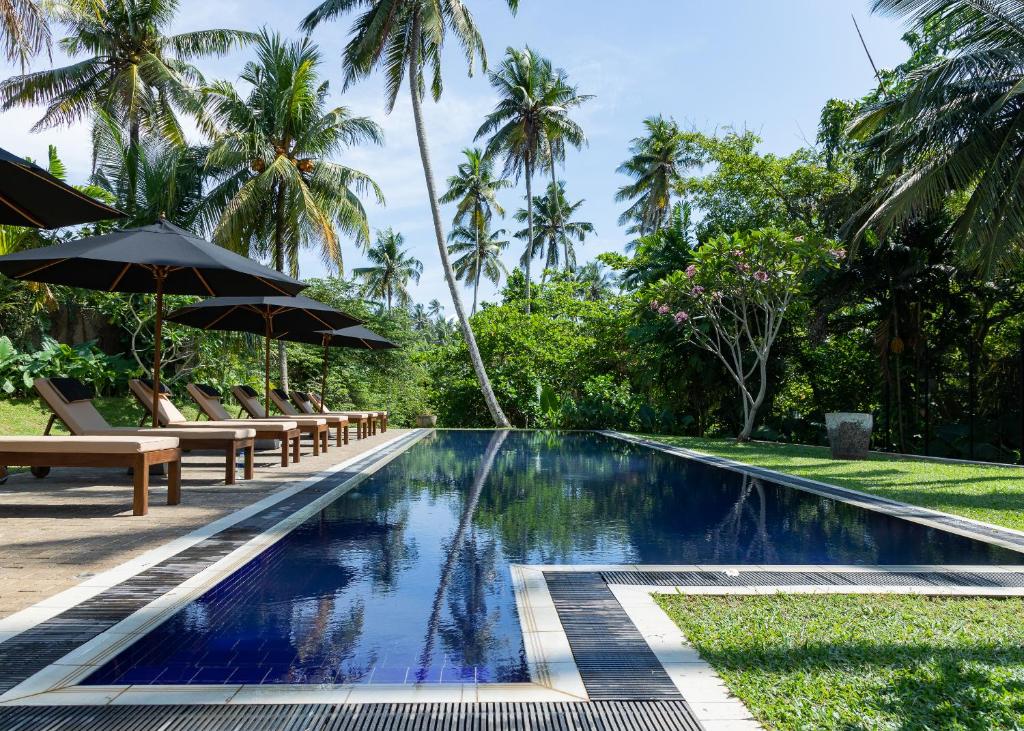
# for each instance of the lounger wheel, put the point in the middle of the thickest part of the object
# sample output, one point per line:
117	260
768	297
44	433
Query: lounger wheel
40	472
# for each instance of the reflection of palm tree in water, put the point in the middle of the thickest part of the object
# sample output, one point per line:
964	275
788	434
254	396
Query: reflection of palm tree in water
727	532
455	546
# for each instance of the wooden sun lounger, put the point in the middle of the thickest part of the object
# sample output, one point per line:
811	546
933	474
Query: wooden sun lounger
138	453
71	402
287	432
314	426
339	422
312	403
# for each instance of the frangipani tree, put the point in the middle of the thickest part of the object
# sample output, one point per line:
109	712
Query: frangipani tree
733	299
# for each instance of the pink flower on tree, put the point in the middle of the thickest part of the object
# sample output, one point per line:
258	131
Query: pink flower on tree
654	305
681	317
697	291
691	271
716	296
798	239
761	276
837	254
664	310
743	267
737	253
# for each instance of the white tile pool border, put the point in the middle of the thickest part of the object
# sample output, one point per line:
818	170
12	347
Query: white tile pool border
968	527
555	675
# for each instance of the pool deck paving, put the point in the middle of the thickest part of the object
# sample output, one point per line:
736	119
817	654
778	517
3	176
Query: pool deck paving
57	532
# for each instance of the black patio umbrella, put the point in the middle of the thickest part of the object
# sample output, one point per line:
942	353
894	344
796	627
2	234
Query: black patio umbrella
30	196
356	336
276	318
162	259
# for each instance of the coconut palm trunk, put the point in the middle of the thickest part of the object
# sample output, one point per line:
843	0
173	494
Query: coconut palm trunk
529	229
490	399
479	264
558	210
282	355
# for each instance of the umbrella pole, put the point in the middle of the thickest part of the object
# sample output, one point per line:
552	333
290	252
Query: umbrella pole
158	334
323	383
266	371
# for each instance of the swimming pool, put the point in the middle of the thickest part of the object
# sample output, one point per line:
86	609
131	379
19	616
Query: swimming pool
406	579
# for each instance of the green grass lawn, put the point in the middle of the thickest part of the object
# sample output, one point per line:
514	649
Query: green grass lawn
992	494
864	662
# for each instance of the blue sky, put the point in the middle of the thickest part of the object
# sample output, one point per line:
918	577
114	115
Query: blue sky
766	65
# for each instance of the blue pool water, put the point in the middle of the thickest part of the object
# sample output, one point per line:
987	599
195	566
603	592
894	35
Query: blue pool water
406	579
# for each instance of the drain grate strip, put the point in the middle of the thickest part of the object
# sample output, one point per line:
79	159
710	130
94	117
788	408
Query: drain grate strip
600	716
613	658
962	579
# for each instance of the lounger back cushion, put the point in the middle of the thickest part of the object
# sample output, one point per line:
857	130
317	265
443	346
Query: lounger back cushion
80	417
71	390
301	398
167	411
208	399
281	401
247	397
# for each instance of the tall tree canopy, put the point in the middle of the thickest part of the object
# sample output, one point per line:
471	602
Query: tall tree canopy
392	269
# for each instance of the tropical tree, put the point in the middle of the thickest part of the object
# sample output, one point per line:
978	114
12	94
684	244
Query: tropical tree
393	268
732	301
126	64
405	38
278	190
598	283
657	161
955	127
473	189
435	309
24	30
554	229
478	255
530	122
153	179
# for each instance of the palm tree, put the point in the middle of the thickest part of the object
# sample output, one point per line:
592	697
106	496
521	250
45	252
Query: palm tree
598	283
479	255
404	38
554	230
473	189
530	121
24	30
278	190
152	180
954	127
435	309
656	163
393	268
132	70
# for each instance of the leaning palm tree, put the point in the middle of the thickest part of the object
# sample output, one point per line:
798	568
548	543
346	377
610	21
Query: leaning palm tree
530	122
278	190
24	30
657	161
127	65
554	229
393	268
478	255
955	128
405	38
